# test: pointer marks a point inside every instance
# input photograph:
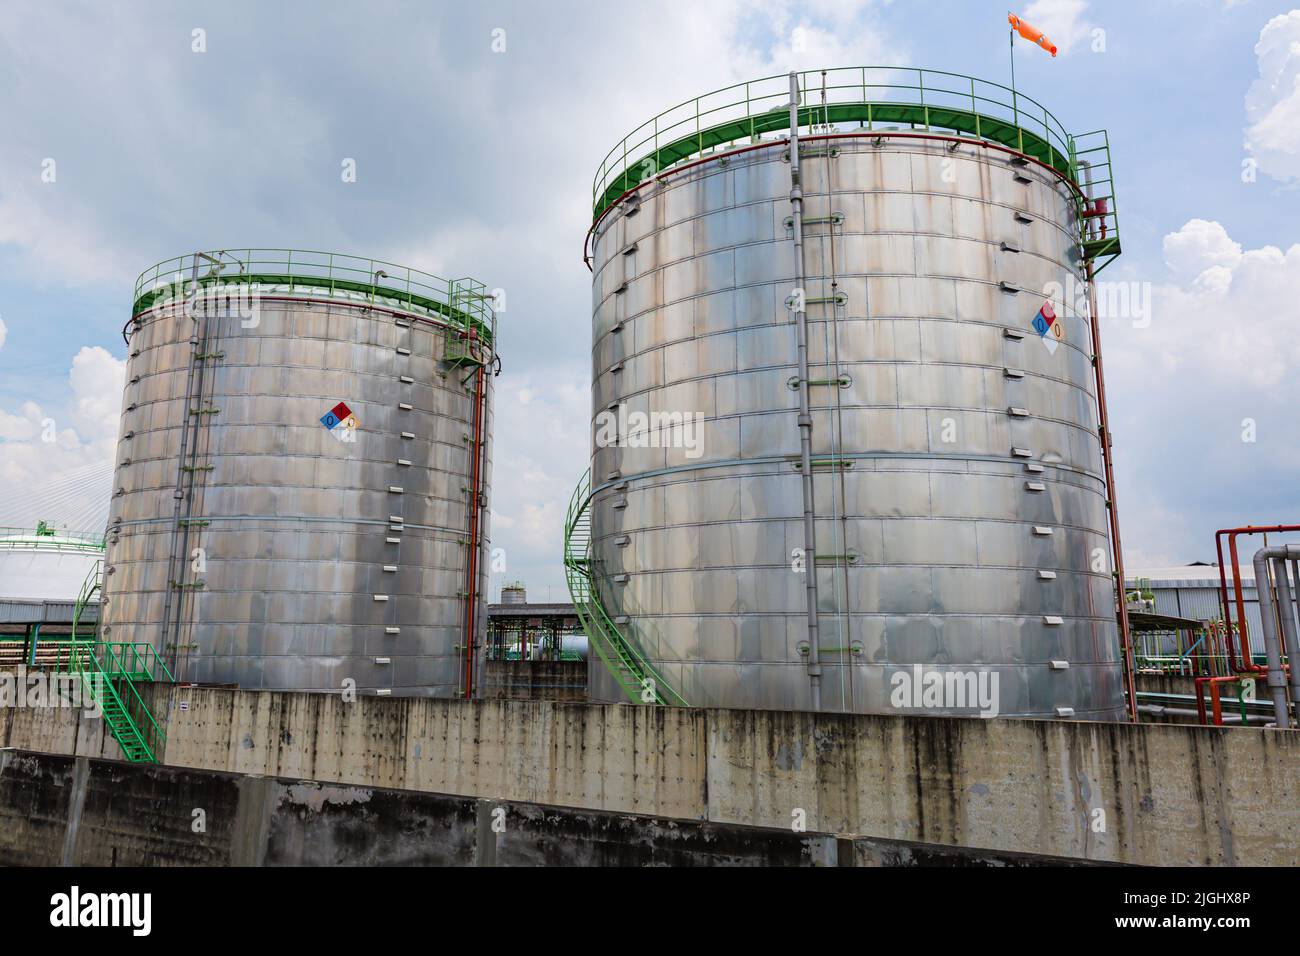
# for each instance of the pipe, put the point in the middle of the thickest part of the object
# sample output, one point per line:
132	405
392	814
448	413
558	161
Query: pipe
1294	643
1216	707
1247	658
1272	645
1286	611
1112	507
805	415
1247	664
1159	710
475	504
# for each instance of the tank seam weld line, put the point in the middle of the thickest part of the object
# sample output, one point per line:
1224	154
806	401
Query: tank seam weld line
785	460
366	521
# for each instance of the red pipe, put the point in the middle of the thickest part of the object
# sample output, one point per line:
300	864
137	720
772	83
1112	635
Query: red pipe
1216	704
1103	420
474	530
1246	664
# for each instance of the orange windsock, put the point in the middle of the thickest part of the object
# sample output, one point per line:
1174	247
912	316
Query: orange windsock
1032	34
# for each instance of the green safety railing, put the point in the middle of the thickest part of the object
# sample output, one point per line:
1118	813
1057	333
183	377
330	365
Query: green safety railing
131	661
109	672
874	98
43	534
614	645
462	303
1096	179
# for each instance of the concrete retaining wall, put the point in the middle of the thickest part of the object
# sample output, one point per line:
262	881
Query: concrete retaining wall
77	811
61	730
534	680
1152	794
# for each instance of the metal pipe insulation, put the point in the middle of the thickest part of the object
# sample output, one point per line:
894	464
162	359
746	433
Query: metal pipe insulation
1292	650
805	414
1286	611
1158	710
1277	683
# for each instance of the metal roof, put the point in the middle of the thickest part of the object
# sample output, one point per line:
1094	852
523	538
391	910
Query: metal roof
1188	575
531	610
1146	621
18	611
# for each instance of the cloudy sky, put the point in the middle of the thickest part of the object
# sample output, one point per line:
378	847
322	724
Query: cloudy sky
478	161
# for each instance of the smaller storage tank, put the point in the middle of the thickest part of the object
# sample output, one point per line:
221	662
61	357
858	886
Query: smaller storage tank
301	494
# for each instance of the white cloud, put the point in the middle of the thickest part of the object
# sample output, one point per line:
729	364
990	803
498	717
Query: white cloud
21	427
1062	20
57	463
1273	102
1198	246
4	333
1217	366
1230	329
97	380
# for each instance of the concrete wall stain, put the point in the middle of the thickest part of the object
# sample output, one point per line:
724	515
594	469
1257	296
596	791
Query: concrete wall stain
1172	794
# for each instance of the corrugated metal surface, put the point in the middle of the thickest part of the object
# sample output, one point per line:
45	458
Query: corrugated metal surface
1193	592
45	612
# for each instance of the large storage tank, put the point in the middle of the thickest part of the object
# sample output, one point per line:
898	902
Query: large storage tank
301	496
959	498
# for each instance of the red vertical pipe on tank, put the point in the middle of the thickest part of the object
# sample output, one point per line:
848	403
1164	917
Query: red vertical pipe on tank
1103	420
474	530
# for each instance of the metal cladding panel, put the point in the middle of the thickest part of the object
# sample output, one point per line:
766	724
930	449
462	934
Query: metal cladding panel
297	532
971	456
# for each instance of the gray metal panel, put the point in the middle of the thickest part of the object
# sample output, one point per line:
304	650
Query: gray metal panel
298	524
935	509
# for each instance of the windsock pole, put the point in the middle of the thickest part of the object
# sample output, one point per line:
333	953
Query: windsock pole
1015	105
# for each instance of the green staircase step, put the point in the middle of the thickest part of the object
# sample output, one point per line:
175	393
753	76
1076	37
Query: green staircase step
97	681
616	650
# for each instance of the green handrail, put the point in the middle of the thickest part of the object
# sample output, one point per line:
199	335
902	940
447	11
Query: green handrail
145	662
914	98
759	106
463	303
98	676
616	650
19	537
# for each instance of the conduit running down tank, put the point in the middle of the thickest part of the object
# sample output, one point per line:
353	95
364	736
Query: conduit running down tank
959	493
301	495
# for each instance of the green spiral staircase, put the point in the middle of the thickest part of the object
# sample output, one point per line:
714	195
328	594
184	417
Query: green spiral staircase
110	674
617	650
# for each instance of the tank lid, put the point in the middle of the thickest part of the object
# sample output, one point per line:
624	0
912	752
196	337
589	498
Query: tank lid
234	277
